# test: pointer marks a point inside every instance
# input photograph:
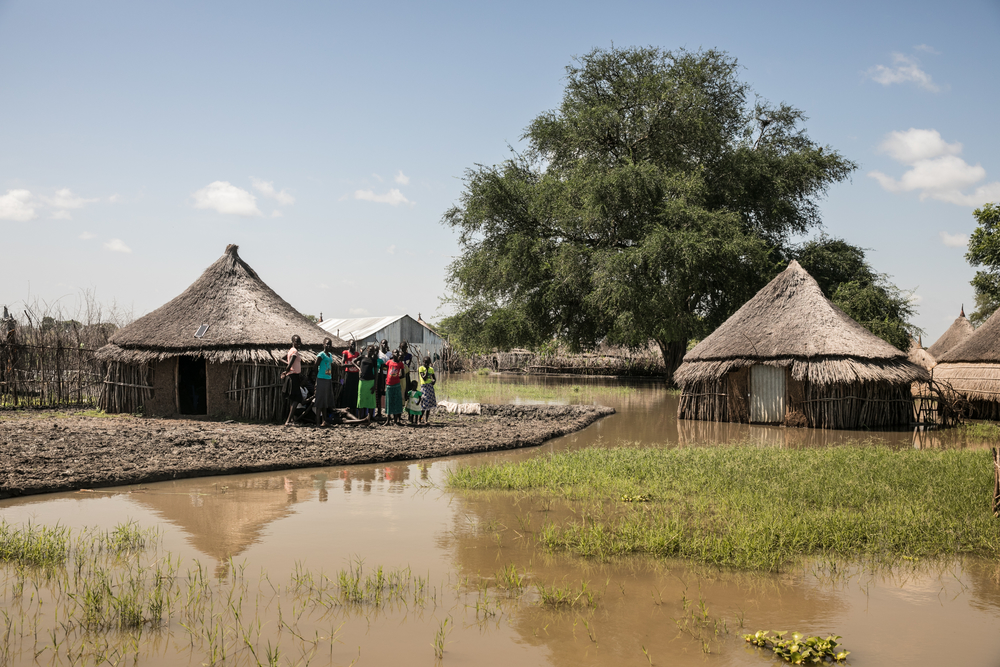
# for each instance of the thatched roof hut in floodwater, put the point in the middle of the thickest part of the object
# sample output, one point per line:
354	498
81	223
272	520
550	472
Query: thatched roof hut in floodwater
957	333
789	356
217	349
972	369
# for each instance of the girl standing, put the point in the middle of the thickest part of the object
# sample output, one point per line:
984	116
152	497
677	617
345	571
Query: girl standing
366	383
393	389
429	400
413	398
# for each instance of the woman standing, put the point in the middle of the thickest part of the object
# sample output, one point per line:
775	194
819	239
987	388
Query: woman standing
394	390
349	393
291	378
324	382
429	401
366	382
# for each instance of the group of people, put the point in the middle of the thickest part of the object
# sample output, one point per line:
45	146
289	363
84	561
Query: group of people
362	383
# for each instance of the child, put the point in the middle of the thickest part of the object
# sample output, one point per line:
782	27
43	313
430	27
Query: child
413	398
429	401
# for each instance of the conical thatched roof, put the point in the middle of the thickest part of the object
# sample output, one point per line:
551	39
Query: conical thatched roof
247	321
790	323
919	356
957	333
983	346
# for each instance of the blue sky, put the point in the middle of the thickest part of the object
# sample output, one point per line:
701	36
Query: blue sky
327	139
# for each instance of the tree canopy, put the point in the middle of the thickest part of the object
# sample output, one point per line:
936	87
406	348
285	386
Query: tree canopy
984	251
648	206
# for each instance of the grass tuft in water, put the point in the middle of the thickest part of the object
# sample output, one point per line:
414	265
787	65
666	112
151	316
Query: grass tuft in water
504	392
754	508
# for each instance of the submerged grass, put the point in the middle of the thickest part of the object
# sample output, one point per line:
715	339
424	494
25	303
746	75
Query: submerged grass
754	508
499	392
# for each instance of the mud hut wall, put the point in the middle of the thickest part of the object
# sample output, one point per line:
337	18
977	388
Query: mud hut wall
738	393
219	403
163	402
794	406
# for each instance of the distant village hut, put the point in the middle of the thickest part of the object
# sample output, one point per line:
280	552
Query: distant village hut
217	349
957	333
972	370
421	339
919	355
790	356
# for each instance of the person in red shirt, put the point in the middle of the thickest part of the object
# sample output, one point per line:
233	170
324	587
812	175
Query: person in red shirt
349	394
393	389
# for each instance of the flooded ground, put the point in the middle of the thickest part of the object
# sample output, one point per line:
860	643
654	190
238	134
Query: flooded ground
469	579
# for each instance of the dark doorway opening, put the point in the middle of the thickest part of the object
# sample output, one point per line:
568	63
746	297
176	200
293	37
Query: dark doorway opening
191	393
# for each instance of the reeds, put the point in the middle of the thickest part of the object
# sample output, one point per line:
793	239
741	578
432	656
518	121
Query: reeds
756	508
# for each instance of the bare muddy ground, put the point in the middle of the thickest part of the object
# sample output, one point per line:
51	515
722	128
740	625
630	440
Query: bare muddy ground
43	451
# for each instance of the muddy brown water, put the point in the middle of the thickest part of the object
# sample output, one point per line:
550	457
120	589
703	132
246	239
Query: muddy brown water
400	516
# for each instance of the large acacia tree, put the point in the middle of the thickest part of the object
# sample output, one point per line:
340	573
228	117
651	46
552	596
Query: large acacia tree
648	206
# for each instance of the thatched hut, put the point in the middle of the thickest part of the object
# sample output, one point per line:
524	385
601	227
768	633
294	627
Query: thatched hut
217	349
789	356
919	355
972	370
957	333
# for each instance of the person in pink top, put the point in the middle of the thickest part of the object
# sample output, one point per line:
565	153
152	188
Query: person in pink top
291	378
393	389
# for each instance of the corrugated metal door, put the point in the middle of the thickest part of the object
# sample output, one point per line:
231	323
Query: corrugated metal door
767	395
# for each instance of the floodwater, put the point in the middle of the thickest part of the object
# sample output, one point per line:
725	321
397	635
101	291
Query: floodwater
252	532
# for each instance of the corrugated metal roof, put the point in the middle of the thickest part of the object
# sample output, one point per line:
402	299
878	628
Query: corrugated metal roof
359	327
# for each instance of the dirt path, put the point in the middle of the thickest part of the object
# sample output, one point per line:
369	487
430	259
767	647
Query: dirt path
41	452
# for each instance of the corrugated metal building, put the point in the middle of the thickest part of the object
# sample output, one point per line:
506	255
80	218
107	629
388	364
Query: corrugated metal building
422	339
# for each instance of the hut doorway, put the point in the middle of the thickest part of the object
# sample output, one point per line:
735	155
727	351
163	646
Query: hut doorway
191	386
767	395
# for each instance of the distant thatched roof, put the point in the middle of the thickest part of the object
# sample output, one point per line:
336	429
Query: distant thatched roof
972	367
919	356
957	333
790	323
246	321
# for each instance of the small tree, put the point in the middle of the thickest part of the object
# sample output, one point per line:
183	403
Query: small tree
984	251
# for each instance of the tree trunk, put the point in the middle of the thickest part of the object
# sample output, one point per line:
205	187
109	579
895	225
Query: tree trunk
673	354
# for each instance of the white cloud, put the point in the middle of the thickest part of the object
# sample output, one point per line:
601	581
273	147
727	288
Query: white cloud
86	236
266	188
17	205
913	144
954	240
66	199
926	49
224	197
393	197
402	178
935	170
117	245
378	178
903	70
277	214
358	312
391	250
62	214
114	199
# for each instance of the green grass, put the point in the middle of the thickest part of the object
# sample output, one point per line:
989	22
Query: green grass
481	391
985	432
755	508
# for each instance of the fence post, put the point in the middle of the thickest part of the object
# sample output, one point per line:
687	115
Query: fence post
996	481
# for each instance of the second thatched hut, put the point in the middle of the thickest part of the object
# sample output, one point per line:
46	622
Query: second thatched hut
217	349
971	369
790	356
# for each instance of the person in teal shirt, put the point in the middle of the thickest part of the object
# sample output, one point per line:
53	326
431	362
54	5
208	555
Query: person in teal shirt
325	397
